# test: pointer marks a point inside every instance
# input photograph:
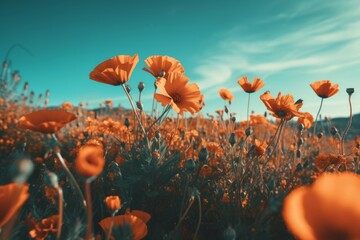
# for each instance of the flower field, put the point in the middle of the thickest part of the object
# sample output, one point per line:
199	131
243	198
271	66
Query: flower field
174	172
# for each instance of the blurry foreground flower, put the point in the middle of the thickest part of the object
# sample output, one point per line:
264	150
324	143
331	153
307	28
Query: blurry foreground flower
115	71
329	209
46	121
162	66
12	197
90	160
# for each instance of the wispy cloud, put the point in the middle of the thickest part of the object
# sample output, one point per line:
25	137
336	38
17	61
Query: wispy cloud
326	42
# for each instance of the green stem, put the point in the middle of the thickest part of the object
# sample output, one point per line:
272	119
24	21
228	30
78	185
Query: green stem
69	175
317	115
248	109
199	220
347	128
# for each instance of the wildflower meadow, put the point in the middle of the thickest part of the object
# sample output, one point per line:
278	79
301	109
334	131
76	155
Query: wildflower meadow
70	172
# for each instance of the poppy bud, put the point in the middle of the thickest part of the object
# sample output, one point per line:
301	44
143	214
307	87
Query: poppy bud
127	122
265	114
90	161
51	179
350	91
26	86
128	88
226	109
300	127
123	144
298	153
233	119
190	165
141	86
47	93
298	167
248	131
299	101
320	134
203	155
232	139
113	203
334	130
139	105
229	234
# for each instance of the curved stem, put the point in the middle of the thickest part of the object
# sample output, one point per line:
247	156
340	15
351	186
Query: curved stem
347	128
159	118
317	115
61	211
133	108
152	105
185	213
248	108
199	220
71	177
277	141
89	234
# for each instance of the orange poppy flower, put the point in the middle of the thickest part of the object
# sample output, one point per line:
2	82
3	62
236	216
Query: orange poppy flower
250	87
115	71
90	160
283	106
176	91
329	209
46	121
12	197
67	106
108	102
162	66
138	226
40	230
113	203
307	120
226	95
325	88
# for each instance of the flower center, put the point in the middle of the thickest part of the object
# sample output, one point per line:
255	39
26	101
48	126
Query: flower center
176	98
281	113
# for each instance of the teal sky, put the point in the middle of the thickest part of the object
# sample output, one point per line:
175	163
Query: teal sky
288	44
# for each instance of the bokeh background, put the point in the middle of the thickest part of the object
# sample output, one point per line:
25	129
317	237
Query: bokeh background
288	44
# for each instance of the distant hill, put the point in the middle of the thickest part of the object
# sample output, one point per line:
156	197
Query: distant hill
341	123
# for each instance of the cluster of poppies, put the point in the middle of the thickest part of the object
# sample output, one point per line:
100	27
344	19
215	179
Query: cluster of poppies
160	177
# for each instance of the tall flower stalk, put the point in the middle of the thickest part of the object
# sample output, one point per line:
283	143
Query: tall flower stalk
349	91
